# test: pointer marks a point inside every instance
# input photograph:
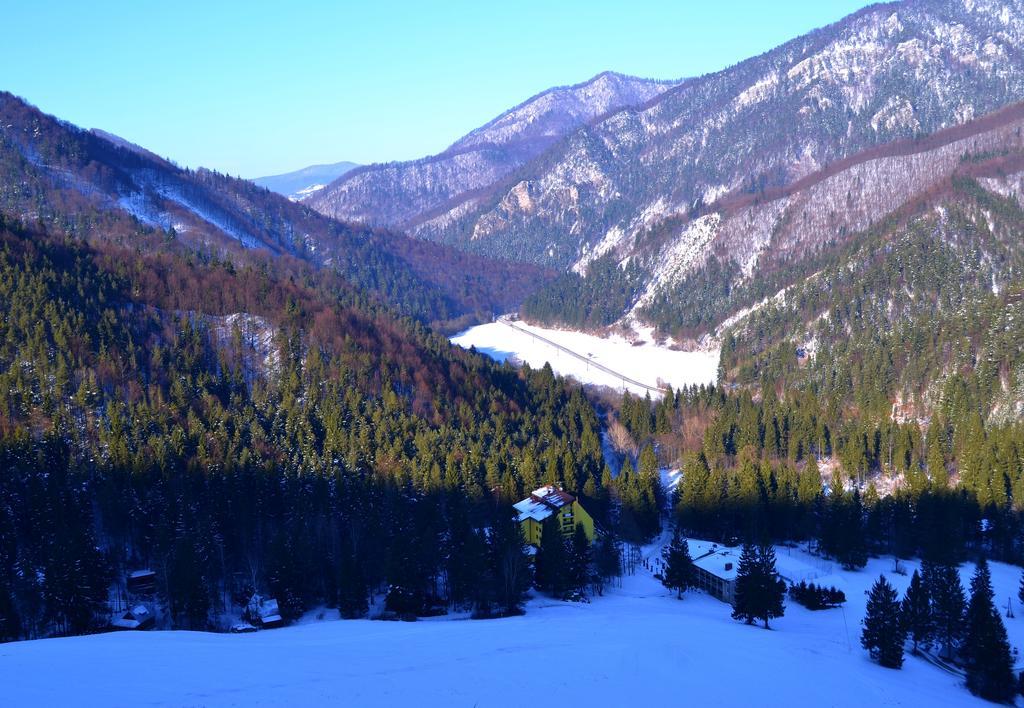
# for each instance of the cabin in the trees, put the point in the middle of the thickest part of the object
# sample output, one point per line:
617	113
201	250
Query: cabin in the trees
264	611
542	503
716	573
138	617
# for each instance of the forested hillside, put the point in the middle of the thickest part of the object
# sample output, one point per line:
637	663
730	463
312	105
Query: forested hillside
81	183
258	427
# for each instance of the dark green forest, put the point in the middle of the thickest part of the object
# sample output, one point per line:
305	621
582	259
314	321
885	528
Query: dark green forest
364	455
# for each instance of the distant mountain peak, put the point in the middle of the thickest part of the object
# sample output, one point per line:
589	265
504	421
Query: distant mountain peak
300	184
556	111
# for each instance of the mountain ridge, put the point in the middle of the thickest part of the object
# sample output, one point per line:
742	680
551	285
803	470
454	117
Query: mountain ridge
396	193
885	72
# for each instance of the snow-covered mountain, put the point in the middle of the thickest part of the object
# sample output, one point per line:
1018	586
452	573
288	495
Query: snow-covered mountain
302	183
403	193
759	244
889	72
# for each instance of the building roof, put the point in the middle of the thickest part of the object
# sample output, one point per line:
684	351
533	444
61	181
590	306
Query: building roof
269	611
542	503
723	563
133	618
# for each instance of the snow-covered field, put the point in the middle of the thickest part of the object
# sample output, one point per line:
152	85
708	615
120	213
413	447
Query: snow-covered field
646	363
637	645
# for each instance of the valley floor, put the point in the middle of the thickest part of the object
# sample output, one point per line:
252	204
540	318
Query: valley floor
647	363
637	645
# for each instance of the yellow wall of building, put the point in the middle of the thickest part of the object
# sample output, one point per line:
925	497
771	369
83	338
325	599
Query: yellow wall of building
532	528
531	532
583	518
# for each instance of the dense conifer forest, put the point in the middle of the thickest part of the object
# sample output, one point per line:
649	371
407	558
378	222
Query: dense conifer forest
350	454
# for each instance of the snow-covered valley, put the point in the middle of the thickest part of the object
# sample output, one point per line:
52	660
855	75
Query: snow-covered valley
636	645
647	363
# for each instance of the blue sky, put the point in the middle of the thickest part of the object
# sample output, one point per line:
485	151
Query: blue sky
258	88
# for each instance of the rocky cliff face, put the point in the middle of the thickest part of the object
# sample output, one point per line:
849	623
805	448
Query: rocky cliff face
405	193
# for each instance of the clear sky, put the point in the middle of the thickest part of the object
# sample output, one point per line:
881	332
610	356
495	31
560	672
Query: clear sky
254	88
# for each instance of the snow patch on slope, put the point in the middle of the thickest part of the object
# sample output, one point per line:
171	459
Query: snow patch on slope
681	256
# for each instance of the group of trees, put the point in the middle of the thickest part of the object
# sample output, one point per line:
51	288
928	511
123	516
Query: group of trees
786	468
816	597
971	632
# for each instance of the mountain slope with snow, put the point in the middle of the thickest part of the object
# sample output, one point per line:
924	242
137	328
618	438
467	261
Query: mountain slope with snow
889	72
99	186
400	194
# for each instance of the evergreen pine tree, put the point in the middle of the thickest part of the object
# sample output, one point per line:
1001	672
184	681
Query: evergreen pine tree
916	612
746	600
884	633
774	587
352	590
552	559
942	583
608	559
759	590
581	559
506	552
678	574
852	551
986	651
188	595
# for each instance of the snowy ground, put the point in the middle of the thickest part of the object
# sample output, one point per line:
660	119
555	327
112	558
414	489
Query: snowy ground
637	645
647	363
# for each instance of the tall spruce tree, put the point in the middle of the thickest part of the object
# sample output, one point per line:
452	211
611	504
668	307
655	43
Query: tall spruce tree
986	651
746	589
942	582
581	563
678	574
883	633
852	550
916	612
608	559
506	552
552	559
352	590
759	590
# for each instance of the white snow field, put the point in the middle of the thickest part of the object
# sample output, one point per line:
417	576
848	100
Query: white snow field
646	363
636	646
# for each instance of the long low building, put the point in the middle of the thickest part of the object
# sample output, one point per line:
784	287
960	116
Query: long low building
716	573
